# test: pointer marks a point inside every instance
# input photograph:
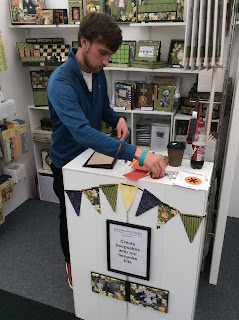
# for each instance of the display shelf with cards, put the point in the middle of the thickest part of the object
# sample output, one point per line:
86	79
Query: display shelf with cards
41	138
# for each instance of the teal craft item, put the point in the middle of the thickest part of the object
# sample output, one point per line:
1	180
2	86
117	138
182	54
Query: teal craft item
142	157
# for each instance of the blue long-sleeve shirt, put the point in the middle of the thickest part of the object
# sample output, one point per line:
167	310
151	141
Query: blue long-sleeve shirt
76	115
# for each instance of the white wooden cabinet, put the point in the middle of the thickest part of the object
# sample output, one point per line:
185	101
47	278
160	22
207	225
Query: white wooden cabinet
175	262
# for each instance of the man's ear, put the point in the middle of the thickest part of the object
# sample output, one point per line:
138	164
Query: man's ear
84	43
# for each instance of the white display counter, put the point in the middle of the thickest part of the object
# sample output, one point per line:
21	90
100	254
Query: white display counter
175	262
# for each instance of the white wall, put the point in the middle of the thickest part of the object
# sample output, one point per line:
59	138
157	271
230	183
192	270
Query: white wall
15	84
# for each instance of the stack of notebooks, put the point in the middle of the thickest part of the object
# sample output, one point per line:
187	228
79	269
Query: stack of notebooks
41	135
143	132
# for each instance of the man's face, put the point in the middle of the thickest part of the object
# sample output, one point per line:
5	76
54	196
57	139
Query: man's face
96	55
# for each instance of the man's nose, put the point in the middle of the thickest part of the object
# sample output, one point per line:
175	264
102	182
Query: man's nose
106	60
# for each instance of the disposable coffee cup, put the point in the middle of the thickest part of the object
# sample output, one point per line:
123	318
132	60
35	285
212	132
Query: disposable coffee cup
175	153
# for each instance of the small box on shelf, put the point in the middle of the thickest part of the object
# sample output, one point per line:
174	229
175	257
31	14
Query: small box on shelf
16	171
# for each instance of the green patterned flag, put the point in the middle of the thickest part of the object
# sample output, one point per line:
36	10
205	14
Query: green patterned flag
93	195
191	224
165	213
110	191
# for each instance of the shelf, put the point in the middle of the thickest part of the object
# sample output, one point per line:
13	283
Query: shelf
158	24
161	70
45	26
47	172
183	116
38	108
153	112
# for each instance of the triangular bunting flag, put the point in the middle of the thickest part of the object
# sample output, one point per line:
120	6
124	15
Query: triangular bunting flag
93	195
165	213
148	201
191	224
128	193
110	191
75	199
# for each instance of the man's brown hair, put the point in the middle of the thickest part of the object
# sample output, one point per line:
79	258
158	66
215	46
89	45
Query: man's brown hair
102	27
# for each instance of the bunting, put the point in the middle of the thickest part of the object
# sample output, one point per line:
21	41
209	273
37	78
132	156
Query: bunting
165	213
191	224
110	191
128	193
147	202
94	196
75	199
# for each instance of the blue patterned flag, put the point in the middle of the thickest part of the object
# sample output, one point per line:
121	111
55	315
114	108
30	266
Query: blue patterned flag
75	199
147	202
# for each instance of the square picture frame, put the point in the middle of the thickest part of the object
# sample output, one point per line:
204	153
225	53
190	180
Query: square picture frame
92	6
108	286
60	16
165	98
124	11
24	12
129	257
147	50
75	11
149	297
44	17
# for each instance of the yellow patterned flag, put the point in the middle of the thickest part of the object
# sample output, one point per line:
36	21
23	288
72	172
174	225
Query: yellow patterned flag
191	224
128	193
110	191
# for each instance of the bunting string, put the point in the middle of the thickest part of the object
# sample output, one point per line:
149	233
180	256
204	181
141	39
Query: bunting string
148	201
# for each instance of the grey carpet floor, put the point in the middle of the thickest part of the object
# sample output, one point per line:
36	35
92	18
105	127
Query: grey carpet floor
32	264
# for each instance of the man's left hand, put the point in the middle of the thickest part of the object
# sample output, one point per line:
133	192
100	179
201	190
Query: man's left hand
122	129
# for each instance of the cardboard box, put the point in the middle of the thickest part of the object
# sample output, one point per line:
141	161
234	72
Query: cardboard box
16	171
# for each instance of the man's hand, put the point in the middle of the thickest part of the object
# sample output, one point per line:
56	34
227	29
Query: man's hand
153	162
122	129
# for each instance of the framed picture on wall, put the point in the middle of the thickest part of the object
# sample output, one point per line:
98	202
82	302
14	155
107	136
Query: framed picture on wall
24	11
75	11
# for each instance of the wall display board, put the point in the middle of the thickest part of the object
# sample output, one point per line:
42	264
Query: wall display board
128	249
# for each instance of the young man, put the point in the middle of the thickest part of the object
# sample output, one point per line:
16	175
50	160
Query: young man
78	102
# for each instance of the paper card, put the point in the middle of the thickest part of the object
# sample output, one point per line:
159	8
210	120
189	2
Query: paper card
136	175
190	180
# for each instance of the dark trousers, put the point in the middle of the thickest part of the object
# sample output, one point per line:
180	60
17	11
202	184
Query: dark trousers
59	191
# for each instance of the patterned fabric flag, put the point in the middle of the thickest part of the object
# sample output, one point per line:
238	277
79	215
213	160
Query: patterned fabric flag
165	213
148	201
75	199
191	224
110	191
128	193
3	61
94	196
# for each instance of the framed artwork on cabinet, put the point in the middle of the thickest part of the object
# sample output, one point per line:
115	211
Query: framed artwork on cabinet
148	297
108	286
128	249
122	10
24	11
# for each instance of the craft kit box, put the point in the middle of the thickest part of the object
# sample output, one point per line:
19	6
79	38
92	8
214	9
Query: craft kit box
16	171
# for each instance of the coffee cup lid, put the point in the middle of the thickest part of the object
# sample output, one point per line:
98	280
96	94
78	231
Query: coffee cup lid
176	145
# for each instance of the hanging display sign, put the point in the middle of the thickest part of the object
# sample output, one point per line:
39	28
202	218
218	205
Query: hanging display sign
128	249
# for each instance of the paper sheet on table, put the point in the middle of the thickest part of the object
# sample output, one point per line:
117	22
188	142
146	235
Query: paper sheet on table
190	180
